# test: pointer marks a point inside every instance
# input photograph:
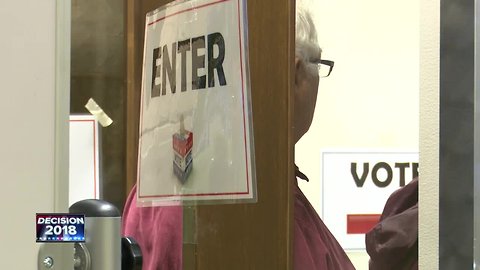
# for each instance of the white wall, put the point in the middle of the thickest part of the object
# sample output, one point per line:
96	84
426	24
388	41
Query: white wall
429	133
371	100
28	141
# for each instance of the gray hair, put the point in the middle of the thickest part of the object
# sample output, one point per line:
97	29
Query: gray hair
306	41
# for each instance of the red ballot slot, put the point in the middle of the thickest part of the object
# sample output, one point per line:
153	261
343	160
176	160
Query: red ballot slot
182	153
182	143
361	223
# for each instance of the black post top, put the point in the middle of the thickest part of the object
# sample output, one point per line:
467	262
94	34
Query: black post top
94	208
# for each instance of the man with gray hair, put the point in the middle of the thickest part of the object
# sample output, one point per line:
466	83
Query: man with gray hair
315	248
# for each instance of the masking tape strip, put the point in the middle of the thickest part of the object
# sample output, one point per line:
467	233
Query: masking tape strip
98	113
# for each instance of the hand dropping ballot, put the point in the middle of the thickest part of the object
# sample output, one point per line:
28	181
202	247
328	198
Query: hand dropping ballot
195	137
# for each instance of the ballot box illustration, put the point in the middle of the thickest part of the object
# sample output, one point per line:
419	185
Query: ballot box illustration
182	153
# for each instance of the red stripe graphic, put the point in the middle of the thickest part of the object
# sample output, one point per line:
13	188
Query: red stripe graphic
361	223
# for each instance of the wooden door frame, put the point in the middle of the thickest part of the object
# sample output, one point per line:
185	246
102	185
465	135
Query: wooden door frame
242	233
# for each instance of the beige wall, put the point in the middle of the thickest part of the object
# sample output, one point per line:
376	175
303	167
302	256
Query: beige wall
376	54
29	159
429	132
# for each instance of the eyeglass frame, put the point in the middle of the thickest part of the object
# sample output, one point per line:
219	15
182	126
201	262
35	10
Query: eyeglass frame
328	63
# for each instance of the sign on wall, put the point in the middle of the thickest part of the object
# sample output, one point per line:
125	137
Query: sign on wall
356	186
83	158
195	126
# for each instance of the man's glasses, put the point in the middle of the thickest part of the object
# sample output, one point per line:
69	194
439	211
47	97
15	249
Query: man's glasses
325	67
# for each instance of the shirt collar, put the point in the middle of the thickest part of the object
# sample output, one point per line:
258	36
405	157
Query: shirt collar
300	175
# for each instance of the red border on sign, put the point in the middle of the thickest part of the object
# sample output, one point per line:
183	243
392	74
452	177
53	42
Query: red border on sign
243	107
186	10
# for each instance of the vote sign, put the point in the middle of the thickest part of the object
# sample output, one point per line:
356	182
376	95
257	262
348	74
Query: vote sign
356	186
195	136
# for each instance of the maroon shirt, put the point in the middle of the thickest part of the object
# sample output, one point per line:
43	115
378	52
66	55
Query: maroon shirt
158	231
315	248
393	242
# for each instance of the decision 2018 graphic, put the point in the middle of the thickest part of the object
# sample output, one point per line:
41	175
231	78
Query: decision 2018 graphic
60	228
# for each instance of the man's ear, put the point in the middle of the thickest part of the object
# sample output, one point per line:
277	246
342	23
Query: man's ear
298	66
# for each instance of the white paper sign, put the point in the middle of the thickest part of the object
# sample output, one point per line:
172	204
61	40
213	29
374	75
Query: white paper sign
195	127
356	186
83	158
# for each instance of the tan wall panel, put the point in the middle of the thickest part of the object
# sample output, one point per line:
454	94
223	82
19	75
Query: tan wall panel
258	236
